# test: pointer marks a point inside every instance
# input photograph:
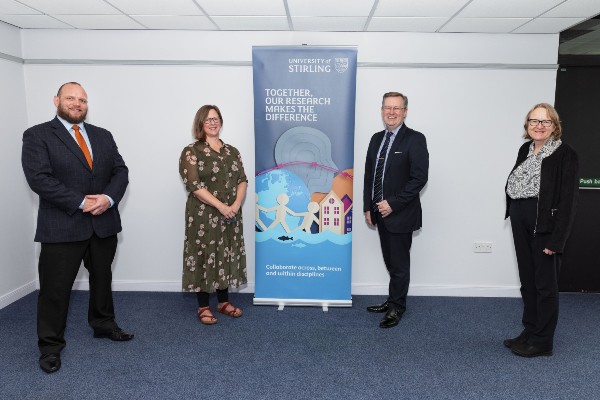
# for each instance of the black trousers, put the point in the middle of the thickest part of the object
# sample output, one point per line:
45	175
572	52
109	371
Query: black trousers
538	273
58	267
204	297
395	248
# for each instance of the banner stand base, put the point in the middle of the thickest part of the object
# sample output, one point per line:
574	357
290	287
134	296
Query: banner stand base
281	303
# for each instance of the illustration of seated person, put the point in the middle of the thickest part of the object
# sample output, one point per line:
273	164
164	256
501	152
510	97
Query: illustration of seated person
258	209
308	217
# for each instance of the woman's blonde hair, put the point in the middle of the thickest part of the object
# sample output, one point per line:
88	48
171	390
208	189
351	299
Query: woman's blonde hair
552	114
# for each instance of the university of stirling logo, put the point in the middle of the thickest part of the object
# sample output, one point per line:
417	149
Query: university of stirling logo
341	65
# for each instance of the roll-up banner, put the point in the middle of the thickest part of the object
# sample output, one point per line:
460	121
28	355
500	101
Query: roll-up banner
304	99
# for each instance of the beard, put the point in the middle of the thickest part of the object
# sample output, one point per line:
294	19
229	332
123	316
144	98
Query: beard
63	112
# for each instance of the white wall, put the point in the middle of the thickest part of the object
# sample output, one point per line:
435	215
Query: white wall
17	268
471	114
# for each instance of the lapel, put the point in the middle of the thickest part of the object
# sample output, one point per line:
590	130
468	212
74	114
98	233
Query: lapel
63	134
380	136
94	142
400	138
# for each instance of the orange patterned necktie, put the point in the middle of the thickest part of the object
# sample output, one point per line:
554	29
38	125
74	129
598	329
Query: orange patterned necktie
83	145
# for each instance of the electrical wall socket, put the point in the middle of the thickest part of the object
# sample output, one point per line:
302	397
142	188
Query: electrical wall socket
482	247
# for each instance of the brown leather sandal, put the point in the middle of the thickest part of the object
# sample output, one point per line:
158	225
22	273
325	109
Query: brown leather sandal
229	309
205	316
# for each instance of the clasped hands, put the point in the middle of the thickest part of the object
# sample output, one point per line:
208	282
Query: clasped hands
96	204
229	211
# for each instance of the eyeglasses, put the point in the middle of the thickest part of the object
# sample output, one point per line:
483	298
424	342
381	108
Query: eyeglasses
394	109
536	122
213	120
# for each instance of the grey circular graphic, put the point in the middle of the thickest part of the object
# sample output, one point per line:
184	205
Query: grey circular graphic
302	143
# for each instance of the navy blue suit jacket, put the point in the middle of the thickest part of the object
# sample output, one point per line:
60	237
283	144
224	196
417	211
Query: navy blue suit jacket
56	169
406	173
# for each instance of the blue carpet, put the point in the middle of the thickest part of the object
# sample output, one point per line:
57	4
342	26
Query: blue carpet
443	348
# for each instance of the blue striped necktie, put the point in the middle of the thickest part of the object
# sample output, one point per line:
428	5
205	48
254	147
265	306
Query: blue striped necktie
378	186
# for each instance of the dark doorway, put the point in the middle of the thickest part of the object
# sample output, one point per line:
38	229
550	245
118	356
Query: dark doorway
578	104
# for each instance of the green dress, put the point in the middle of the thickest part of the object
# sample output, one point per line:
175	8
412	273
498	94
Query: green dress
214	256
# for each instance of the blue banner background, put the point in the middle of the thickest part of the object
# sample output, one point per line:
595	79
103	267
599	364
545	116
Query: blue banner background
304	101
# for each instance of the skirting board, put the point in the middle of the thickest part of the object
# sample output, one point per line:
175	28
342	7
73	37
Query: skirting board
175	286
18	293
446	290
357	289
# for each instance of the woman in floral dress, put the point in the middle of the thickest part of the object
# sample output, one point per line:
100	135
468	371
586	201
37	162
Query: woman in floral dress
214	257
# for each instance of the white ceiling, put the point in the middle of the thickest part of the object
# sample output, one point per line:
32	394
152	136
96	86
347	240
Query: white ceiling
483	16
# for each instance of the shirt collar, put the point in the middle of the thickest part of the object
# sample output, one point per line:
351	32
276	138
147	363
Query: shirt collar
395	131
69	125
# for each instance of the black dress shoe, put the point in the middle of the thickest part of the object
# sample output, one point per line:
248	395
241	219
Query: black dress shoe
528	350
50	362
378	308
391	318
518	340
117	335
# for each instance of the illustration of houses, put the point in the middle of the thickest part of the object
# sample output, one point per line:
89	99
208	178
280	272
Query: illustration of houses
347	213
333	213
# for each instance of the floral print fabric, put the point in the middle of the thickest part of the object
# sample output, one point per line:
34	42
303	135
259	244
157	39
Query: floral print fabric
214	256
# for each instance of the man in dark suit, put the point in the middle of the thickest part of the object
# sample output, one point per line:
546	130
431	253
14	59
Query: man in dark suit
80	177
395	172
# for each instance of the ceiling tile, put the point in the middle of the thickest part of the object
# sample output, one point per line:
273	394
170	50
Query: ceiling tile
586	44
591	24
243	7
252	23
329	24
330	8
12	7
507	8
34	22
405	24
483	25
575	8
547	25
485	16
71	6
100	21
157	7
418	8
198	22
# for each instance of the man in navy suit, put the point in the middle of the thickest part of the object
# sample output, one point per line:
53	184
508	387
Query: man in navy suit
396	170
80	177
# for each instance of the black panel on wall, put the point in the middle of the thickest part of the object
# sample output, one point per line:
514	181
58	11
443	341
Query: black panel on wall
581	261
578	104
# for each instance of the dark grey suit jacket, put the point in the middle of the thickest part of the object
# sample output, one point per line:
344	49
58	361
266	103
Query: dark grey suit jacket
406	173
56	169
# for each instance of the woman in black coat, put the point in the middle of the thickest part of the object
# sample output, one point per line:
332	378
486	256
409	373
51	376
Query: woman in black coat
541	194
